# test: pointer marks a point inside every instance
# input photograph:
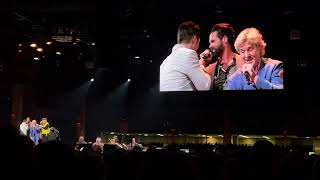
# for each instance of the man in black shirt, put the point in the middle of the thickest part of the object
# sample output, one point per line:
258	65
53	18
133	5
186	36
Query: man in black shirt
220	59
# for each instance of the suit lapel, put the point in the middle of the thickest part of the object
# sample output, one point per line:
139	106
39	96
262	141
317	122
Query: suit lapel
262	70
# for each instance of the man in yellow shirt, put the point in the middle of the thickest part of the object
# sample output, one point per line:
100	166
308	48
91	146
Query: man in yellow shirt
45	129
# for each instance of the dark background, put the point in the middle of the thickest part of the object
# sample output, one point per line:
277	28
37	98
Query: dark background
122	30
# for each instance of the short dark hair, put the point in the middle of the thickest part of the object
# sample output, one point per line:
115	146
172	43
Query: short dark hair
224	29
187	30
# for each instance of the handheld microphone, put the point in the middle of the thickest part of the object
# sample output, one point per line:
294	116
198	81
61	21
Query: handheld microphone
212	51
247	75
206	56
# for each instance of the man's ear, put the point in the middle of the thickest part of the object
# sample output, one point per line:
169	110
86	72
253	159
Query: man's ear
195	39
225	39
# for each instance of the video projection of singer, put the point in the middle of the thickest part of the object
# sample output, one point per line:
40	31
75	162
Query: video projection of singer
231	61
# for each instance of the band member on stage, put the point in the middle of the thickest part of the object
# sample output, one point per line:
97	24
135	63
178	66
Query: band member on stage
81	140
24	126
98	145
114	140
134	145
35	132
45	129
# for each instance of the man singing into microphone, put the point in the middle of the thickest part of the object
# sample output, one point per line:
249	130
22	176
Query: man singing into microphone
220	60
257	72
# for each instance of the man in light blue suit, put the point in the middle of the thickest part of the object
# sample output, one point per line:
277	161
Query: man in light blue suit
257	72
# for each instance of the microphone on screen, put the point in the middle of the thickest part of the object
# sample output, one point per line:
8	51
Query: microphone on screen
247	75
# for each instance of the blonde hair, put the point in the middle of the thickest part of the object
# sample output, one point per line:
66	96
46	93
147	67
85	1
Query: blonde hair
253	37
33	122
